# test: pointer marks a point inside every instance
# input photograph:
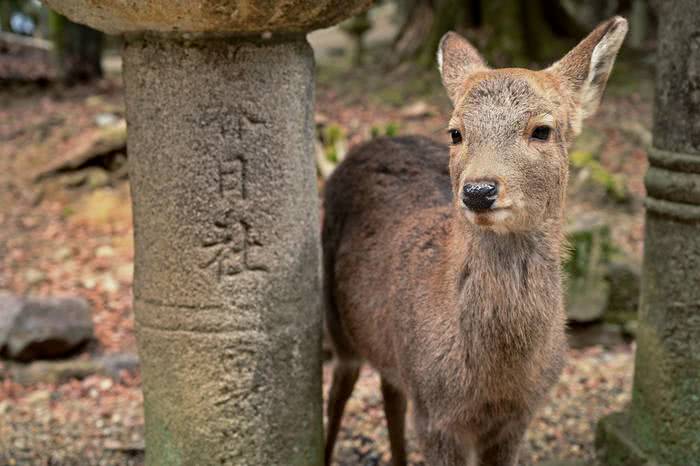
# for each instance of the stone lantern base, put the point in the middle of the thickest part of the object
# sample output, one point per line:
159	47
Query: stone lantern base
616	445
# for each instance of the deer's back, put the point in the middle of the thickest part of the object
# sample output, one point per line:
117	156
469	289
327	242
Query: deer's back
387	174
386	216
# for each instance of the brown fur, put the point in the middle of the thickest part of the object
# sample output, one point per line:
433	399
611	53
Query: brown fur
460	312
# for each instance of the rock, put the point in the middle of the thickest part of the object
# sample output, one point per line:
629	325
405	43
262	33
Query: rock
113	363
53	372
10	307
96	143
624	278
106	119
34	276
630	328
587	289
416	110
47	328
96	177
130	448
604	334
74	179
25	58
57	372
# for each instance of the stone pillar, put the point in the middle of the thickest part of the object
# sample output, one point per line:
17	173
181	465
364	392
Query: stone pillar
226	235
662	425
219	99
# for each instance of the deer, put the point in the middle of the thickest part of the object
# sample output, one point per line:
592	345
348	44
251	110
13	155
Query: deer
442	264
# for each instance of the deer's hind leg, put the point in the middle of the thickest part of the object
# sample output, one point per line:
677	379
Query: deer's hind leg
345	374
395	411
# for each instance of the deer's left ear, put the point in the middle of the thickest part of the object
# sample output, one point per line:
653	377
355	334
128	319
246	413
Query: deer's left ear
457	58
585	69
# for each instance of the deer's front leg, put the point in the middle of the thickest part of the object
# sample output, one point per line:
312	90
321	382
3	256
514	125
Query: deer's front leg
441	448
501	445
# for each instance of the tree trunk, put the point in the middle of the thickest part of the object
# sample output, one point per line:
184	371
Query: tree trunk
78	50
5	15
415	28
511	32
448	15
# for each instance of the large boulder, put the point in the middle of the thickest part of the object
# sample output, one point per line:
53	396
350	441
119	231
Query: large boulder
43	328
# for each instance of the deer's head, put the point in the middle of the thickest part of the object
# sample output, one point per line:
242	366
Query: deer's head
511	128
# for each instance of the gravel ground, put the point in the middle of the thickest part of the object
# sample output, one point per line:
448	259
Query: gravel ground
98	422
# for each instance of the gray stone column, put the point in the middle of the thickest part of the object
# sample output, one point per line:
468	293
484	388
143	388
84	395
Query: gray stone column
219	101
662	425
226	234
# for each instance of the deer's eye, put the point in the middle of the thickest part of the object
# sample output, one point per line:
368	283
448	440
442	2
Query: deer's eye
456	136
541	133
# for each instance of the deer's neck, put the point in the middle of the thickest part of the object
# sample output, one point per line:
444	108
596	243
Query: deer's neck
506	282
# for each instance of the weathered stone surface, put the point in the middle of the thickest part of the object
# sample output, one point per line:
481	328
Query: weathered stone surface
112	364
208	16
96	143
48	328
624	277
598	333
227	254
56	372
10	307
587	288
25	58
662	425
219	106
615	443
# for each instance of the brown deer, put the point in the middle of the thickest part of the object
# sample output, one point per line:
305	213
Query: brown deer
443	266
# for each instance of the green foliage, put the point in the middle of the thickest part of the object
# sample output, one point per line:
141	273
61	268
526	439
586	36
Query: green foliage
613	184
587	246
332	137
391	129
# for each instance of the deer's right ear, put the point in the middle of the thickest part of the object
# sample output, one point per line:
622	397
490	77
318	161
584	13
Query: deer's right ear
457	58
586	68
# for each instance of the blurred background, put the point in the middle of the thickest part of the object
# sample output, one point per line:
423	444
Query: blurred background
70	385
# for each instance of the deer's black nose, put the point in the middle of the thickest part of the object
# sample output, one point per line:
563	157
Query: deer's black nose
479	196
